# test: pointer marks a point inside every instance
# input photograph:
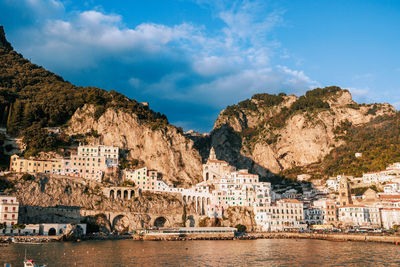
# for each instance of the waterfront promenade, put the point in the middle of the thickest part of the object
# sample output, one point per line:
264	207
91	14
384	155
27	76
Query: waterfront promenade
336	237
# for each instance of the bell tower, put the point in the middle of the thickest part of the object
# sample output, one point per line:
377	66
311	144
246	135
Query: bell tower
212	154
344	192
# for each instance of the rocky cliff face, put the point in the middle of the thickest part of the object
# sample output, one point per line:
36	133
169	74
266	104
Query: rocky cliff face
164	149
275	133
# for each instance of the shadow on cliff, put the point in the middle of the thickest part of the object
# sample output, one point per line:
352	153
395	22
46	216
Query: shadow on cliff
228	144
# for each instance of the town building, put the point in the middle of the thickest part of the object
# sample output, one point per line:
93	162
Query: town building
390	217
9	207
110	153
359	215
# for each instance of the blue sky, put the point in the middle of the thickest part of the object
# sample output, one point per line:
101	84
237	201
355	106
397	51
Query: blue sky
190	59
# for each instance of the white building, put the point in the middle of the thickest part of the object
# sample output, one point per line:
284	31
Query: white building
359	215
390	217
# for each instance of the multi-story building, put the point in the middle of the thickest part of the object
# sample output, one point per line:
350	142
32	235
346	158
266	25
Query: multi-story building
286	214
146	179
328	210
359	215
111	153
91	162
18	164
85	166
390	217
313	216
8	211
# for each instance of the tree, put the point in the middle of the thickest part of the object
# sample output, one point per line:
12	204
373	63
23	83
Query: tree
19	227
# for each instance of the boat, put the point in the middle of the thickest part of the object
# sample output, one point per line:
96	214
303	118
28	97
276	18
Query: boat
31	263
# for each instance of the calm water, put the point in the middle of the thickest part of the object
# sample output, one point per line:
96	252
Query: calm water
262	252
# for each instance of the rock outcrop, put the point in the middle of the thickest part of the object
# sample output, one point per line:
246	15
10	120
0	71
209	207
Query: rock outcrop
291	131
166	150
3	40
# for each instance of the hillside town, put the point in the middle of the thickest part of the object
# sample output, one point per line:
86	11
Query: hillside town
342	203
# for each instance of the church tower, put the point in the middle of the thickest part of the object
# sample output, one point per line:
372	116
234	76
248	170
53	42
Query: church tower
212	154
344	192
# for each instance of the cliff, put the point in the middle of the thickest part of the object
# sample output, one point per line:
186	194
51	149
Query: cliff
162	148
274	133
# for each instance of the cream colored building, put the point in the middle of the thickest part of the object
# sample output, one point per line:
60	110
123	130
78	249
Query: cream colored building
285	214
146	179
111	153
22	165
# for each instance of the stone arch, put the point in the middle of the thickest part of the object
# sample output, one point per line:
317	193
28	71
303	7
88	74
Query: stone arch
112	193
120	224
118	194
160	222
52	231
207	176
132	193
126	194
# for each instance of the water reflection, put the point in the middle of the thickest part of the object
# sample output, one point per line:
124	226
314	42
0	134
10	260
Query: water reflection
260	252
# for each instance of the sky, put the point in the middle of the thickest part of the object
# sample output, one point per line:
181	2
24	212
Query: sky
191	58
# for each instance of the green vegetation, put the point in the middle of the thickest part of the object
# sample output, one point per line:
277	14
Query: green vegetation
312	102
39	139
28	177
6	185
30	95
4	159
128	184
378	141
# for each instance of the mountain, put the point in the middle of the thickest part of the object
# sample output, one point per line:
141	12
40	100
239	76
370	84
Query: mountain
290	135
272	135
32	98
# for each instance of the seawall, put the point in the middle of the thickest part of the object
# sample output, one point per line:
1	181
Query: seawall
394	239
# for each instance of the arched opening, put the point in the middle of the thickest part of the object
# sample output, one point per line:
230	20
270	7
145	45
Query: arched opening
120	224
112	194
192	222
132	193
207	176
203	204
52	231
126	194
213	177
160	222
184	199
119	194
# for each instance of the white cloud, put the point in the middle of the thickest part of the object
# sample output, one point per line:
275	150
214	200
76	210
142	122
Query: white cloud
216	68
